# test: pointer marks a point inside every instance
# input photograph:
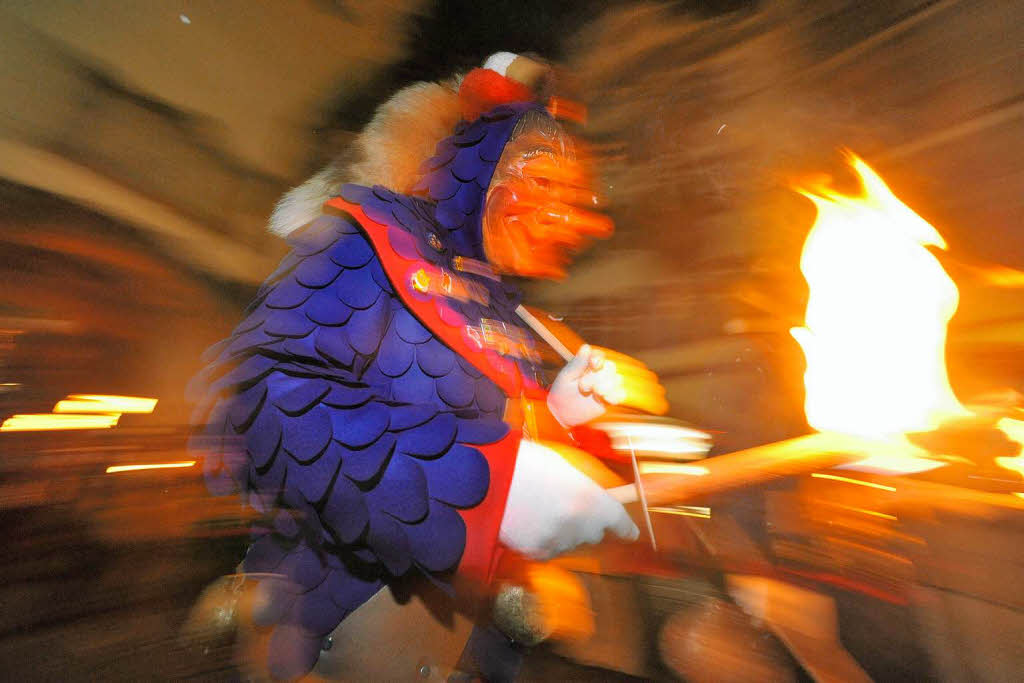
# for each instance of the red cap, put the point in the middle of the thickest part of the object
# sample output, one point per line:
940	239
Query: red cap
484	89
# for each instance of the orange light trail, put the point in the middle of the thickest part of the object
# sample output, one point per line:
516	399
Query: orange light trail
673	468
847	480
102	403
685	511
113	469
51	421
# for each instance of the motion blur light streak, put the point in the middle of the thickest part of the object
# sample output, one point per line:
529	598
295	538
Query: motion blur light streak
672	468
81	411
53	421
875	330
102	403
664	439
685	511
847	480
113	469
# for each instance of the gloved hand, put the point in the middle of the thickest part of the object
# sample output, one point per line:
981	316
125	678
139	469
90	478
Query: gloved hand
552	507
584	387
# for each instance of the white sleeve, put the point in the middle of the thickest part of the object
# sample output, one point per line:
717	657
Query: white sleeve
552	507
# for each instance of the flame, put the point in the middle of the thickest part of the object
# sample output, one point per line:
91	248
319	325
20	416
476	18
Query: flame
874	335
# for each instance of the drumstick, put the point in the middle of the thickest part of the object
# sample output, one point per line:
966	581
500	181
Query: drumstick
544	333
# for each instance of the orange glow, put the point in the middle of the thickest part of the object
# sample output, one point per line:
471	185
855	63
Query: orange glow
113	469
101	403
874	335
50	421
999	276
563	601
1014	430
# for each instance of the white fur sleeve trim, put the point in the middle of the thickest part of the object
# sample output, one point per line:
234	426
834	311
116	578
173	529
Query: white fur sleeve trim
500	61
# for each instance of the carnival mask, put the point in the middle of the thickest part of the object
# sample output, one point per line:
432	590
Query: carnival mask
540	208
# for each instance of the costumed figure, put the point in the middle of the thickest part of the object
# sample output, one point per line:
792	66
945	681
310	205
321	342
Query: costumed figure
379	407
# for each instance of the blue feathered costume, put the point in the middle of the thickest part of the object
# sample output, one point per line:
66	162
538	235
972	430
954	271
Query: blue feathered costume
358	406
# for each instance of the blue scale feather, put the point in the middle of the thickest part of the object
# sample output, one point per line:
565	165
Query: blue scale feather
357	289
332	344
434	358
466	489
414	387
345	513
366	328
430	439
360	426
388	540
314	479
489	397
346	396
352	251
317	271
455	389
288	323
408	416
466	165
323	308
439	539
306	436
245	406
288	293
316	613
299	395
365	464
409	328
402	490
263	436
395	354
356	194
482	430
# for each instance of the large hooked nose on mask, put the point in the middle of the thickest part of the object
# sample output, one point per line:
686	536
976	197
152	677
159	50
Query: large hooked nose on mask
541	206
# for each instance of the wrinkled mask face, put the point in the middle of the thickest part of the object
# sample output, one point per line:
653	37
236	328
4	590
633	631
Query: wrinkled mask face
540	207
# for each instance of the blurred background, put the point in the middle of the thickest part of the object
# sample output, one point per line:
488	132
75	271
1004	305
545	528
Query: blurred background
143	145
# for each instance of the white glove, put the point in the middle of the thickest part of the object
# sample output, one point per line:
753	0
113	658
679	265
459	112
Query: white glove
584	387
552	507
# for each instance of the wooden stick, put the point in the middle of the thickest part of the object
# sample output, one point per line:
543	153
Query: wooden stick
748	467
544	333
